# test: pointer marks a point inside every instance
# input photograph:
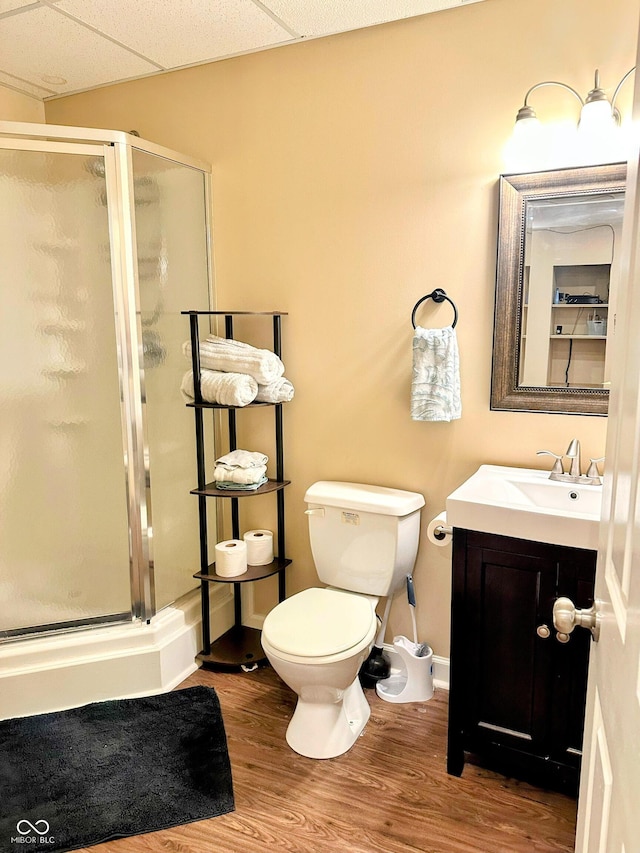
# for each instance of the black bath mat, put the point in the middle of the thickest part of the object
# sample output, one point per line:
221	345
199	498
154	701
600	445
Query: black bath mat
112	769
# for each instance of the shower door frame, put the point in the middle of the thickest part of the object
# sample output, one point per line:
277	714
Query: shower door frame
116	147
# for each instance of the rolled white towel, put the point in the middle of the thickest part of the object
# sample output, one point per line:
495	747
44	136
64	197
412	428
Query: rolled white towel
278	391
237	357
226	389
244	476
243	459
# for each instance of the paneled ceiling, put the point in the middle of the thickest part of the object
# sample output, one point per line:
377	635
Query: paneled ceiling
55	47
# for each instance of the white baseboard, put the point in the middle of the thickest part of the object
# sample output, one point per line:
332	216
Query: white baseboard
43	674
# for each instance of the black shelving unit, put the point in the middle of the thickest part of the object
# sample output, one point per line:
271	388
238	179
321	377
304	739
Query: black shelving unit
239	646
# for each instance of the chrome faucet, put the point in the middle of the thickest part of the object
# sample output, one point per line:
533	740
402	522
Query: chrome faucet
573	453
591	478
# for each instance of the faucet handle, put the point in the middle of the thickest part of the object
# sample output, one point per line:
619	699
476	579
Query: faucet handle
557	465
593	467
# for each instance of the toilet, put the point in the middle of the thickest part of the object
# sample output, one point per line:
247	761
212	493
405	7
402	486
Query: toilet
364	541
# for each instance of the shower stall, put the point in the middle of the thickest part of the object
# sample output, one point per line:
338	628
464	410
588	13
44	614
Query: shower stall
104	239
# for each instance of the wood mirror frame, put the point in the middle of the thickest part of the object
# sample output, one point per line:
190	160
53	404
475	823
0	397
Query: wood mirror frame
516	192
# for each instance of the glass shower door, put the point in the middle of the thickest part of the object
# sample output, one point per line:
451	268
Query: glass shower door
170	205
64	533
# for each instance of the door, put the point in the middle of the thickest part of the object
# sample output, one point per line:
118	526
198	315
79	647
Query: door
608	814
64	533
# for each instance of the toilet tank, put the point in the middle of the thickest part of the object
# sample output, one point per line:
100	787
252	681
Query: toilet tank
363	538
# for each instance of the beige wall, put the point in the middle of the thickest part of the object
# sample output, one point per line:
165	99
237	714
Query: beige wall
352	175
17	107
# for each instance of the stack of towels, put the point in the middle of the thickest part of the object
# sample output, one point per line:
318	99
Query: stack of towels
233	373
241	470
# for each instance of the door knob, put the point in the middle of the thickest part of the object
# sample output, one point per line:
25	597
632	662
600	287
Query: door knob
566	617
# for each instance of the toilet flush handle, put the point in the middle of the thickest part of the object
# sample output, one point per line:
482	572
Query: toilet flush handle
314	510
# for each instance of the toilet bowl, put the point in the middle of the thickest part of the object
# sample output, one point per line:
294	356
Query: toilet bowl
364	541
316	641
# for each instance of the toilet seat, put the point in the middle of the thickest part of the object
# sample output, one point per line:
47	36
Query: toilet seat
319	623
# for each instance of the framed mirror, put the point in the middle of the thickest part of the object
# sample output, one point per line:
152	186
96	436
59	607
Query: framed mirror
559	236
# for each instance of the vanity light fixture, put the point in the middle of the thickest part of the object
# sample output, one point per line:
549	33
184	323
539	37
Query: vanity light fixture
597	111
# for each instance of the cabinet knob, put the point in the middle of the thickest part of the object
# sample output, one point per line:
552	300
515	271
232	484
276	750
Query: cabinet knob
543	631
562	638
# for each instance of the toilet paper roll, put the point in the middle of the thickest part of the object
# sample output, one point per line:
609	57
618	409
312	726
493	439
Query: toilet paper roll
231	558
435	534
259	547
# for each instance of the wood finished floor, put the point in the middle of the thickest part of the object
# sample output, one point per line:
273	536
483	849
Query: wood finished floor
389	794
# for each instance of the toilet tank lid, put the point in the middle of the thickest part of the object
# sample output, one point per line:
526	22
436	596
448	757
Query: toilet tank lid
359	496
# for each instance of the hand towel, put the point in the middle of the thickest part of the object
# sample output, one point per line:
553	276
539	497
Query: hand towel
240	487
241	476
435	389
226	389
243	459
278	391
234	356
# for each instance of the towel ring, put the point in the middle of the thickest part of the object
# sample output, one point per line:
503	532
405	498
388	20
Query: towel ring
438	295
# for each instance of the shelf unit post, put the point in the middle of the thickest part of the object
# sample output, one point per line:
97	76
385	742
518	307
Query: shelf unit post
235	511
277	348
200	465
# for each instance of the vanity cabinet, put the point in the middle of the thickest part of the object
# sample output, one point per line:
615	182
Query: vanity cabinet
517	695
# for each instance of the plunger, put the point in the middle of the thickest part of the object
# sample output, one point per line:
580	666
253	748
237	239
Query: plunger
376	666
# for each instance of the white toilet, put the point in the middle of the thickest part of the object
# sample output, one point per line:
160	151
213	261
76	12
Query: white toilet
364	541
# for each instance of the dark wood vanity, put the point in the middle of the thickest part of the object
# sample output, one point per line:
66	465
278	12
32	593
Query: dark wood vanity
517	695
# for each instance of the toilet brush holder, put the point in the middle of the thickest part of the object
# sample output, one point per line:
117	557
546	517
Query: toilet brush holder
411	678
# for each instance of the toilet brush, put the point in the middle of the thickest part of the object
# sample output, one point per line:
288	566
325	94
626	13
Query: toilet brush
421	648
376	666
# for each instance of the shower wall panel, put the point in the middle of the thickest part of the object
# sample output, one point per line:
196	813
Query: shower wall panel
171	241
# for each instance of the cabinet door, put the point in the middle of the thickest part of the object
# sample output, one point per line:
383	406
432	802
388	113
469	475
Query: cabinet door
576	577
509	667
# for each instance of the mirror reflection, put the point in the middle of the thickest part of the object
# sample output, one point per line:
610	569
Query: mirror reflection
570	262
559	235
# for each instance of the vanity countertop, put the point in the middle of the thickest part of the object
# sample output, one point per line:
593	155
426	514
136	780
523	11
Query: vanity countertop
526	504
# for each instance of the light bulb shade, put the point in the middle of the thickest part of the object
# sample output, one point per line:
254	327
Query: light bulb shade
526	126
525	112
596	117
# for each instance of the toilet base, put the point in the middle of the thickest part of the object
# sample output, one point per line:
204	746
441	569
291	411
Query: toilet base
328	729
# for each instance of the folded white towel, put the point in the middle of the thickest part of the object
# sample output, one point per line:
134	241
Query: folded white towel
226	389
435	390
243	459
244	476
240	487
279	391
237	357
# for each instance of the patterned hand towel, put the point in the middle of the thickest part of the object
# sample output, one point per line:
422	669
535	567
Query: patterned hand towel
233	356
435	389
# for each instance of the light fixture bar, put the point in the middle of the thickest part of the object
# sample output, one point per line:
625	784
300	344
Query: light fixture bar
597	94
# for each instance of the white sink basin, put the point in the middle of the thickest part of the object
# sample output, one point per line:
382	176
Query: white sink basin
525	503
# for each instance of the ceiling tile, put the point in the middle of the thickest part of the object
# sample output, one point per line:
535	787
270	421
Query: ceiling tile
181	32
21	86
321	17
43	43
10	5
